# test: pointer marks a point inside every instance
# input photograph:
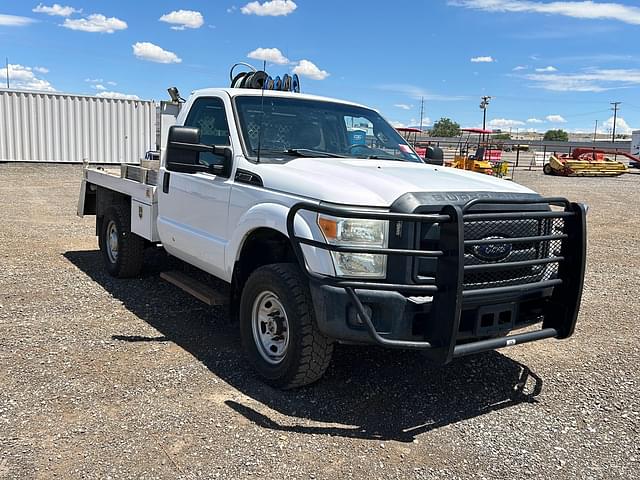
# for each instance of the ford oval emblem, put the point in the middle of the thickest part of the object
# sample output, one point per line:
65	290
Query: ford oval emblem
492	252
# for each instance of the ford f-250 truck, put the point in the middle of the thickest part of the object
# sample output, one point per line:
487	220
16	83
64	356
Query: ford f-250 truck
323	241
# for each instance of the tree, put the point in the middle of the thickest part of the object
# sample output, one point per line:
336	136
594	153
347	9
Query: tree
445	127
502	136
556	136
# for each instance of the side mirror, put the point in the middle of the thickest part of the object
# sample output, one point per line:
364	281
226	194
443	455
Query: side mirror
184	148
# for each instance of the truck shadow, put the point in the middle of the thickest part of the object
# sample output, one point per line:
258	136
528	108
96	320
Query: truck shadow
368	393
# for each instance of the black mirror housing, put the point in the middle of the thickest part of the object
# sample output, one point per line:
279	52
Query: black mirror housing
178	134
183	152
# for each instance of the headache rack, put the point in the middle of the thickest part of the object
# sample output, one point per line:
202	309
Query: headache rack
547	250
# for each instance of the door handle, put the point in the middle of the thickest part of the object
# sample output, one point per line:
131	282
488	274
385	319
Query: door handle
165	182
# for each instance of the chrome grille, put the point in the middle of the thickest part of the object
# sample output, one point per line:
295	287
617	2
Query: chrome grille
519	251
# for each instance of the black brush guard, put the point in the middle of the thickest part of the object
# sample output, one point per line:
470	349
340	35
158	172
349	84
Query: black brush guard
447	286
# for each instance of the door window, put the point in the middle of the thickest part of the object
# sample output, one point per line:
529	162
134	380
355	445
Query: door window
208	114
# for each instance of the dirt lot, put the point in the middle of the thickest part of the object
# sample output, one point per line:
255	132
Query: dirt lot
134	379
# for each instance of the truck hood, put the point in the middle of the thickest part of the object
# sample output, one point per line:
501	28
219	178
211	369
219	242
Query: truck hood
376	183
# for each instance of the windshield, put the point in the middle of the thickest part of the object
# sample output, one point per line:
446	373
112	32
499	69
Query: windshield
293	127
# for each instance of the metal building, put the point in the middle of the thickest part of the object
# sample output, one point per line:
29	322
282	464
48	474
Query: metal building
60	127
635	142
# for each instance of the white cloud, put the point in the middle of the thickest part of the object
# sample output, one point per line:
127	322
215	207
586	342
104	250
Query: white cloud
590	80
305	68
504	123
14	21
426	121
622	126
24	78
95	23
272	55
181	19
550	68
154	53
118	95
41	69
273	8
555	119
520	67
403	106
415	92
534	120
113	84
232	9
487	59
576	9
99	86
55	9
396	124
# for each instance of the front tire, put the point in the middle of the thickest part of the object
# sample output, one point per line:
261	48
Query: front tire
278	329
122	251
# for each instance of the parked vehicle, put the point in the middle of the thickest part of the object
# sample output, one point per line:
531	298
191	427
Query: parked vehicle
486	157
516	147
321	241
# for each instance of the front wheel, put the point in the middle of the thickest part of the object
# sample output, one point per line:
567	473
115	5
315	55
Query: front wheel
547	169
278	328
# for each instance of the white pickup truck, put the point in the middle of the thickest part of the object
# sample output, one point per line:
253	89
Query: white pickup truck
324	237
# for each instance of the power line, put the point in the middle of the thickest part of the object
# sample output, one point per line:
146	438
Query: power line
615	118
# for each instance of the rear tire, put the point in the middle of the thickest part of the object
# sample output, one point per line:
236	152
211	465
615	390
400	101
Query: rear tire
547	169
278	328
122	251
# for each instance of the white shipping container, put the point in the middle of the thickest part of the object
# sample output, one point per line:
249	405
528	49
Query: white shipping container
59	127
635	143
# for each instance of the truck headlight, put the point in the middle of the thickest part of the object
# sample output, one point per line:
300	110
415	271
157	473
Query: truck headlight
356	232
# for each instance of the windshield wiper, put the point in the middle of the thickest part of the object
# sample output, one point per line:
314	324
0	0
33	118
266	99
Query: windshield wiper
300	152
308	152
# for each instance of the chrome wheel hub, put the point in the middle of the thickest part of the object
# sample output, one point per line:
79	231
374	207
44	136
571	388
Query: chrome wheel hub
270	327
112	242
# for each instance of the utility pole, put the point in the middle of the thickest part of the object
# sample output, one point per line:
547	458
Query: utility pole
595	132
421	113
615	119
483	106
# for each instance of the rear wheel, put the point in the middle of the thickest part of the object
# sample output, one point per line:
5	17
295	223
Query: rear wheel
278	328
547	169
122	251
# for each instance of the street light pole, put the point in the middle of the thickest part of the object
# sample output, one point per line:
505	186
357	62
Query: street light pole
483	105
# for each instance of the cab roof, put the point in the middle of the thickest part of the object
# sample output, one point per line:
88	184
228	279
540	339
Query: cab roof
237	92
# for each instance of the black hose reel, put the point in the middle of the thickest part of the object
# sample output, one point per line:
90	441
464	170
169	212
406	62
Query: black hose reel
259	80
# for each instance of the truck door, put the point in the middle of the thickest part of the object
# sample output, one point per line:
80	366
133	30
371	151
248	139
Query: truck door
193	207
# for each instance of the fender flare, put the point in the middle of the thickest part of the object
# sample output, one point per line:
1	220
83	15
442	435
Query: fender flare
274	217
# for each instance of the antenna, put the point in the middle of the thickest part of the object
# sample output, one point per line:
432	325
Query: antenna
7	63
264	69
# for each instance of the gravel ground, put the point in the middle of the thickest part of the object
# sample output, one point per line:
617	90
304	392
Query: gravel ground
134	379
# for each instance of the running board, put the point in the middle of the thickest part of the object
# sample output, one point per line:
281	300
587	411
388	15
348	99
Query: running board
194	287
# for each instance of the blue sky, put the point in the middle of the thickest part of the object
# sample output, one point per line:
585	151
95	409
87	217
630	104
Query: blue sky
547	64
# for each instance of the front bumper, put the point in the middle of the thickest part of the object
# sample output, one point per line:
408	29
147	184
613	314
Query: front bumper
456	319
